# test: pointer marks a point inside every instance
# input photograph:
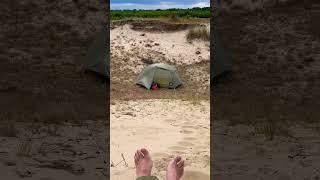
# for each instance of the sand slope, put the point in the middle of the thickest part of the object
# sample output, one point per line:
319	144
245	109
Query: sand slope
65	151
240	152
132	50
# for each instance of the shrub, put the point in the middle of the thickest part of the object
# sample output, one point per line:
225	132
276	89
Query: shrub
199	33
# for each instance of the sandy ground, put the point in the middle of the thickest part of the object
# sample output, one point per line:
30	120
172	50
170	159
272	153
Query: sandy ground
42	45
273	89
159	120
165	127
52	152
132	50
169	47
242	152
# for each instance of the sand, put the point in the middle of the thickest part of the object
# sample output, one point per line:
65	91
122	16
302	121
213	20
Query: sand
52	152
274	79
43	93
133	50
240	152
171	46
159	120
166	47
166	128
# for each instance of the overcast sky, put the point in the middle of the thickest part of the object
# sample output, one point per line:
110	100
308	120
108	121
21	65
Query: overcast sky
157	4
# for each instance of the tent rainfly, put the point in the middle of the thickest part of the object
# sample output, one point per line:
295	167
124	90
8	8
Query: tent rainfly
221	59
96	59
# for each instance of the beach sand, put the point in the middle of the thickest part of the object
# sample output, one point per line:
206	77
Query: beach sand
167	122
166	128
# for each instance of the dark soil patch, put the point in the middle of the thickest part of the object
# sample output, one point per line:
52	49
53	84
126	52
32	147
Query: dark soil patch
153	25
158	26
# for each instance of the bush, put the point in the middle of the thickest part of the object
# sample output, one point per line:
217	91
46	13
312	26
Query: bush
199	33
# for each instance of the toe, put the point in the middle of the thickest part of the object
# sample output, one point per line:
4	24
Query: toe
180	164
144	151
177	159
136	158
141	155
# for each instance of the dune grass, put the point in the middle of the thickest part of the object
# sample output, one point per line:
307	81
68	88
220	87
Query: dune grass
198	33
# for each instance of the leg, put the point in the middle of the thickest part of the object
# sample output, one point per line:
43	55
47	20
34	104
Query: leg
147	178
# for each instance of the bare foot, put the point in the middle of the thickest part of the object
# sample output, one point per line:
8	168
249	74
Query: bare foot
143	163
175	169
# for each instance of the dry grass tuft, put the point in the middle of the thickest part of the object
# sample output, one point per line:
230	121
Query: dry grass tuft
270	129
24	148
267	129
199	33
174	18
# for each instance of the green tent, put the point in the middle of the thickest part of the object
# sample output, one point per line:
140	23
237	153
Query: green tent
164	75
96	59
221	60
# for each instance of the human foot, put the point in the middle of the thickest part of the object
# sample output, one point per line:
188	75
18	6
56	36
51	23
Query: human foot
175	169
143	163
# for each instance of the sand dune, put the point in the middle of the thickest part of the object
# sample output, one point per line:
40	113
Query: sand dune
165	127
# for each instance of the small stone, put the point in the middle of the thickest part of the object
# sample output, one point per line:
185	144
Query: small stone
198	52
77	169
148	45
129	114
24	173
10	163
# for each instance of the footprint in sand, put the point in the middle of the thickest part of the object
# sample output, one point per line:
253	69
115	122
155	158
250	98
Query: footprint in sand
203	146
185	143
187	126
179	148
189	139
179	153
192	175
160	155
170	120
186	131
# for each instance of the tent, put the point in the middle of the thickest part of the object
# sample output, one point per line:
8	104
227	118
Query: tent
221	62
164	75
96	59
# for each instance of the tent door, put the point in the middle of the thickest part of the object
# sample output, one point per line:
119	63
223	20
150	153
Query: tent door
163	78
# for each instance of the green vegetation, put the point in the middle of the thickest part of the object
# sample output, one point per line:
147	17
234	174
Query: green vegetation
180	13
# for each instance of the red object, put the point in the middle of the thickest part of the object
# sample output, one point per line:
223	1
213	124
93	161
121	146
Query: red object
154	86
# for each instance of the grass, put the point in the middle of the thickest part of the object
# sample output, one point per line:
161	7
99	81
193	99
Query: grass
270	129
174	18
267	129
198	33
181	13
24	148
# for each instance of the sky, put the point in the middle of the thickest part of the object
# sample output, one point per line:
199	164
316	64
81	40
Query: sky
157	4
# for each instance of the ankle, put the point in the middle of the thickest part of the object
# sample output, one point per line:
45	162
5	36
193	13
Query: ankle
143	172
